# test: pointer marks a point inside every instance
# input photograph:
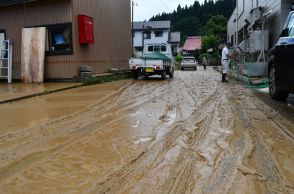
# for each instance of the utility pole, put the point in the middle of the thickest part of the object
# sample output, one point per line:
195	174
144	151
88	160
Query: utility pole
132	28
143	38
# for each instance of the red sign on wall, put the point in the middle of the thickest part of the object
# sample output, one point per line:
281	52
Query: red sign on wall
86	29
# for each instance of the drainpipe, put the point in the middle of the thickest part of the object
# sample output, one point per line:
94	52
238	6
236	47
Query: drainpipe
237	24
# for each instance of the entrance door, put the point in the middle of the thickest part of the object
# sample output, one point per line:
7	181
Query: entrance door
33	54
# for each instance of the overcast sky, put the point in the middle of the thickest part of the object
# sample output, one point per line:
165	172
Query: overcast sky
145	9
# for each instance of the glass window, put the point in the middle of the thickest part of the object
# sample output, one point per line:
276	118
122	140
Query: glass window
290	26
150	48
163	48
158	33
147	35
156	48
59	39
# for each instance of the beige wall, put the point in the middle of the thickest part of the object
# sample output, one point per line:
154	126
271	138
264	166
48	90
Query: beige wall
112	23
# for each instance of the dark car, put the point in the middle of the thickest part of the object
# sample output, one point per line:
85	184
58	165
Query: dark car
281	63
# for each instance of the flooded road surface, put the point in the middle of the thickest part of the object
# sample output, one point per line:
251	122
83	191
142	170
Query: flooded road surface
192	134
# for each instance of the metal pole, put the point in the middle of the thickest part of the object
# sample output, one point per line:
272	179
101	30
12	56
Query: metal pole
237	39
143	39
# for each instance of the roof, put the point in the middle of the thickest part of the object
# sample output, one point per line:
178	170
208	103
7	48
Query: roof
192	43
11	2
152	24
175	37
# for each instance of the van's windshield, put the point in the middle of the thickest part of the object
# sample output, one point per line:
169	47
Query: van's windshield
290	26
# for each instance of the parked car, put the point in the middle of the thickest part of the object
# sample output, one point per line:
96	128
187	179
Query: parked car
189	62
281	63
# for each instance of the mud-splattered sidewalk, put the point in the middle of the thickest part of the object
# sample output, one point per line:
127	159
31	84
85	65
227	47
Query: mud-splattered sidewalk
192	134
15	91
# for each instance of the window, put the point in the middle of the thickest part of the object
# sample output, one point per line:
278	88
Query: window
147	35
158	33
292	7
157	48
59	39
150	48
290	26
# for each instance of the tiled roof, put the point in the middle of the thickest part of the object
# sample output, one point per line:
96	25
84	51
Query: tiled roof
192	43
152	24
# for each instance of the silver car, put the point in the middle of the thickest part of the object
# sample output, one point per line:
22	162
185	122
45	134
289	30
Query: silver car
189	62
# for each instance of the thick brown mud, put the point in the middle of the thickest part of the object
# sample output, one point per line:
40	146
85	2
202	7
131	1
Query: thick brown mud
191	134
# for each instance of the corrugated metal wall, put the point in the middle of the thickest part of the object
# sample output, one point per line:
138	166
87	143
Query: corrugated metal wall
112	28
112	23
14	18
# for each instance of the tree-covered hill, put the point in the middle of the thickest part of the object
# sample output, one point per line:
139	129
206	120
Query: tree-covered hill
190	21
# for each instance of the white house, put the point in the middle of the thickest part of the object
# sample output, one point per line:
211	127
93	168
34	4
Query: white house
155	32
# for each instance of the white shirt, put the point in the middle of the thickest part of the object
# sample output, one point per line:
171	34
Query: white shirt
225	53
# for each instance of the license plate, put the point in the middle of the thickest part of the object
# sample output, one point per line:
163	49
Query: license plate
149	69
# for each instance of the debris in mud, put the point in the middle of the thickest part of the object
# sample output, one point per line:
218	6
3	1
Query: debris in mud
247	171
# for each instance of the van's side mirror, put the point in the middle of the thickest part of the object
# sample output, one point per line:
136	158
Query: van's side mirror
285	32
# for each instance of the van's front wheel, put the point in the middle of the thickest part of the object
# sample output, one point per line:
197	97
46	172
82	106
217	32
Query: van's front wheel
274	91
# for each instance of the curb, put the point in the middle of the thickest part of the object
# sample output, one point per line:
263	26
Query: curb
39	94
61	89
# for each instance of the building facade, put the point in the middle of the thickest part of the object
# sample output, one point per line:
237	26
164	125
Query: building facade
112	33
247	11
152	32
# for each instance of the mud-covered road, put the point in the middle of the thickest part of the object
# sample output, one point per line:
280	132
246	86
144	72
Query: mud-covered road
192	134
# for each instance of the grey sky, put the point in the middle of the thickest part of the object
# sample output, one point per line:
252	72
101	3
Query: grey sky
145	9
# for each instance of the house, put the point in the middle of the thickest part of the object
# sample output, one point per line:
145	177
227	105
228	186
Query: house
247	15
175	41
191	45
109	45
155	32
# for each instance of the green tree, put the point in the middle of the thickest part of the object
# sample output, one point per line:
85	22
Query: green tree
210	41
217	26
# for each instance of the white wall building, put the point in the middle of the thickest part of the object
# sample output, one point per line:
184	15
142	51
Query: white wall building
155	32
247	11
255	26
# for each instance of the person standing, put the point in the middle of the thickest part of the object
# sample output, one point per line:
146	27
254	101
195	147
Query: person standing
225	61
204	61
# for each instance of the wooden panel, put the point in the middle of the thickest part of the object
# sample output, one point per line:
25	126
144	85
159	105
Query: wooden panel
33	55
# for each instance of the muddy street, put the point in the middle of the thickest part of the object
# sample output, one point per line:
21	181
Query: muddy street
191	134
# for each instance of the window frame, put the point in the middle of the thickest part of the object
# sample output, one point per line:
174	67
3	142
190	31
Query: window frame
156	33
4	32
54	53
62	52
147	35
